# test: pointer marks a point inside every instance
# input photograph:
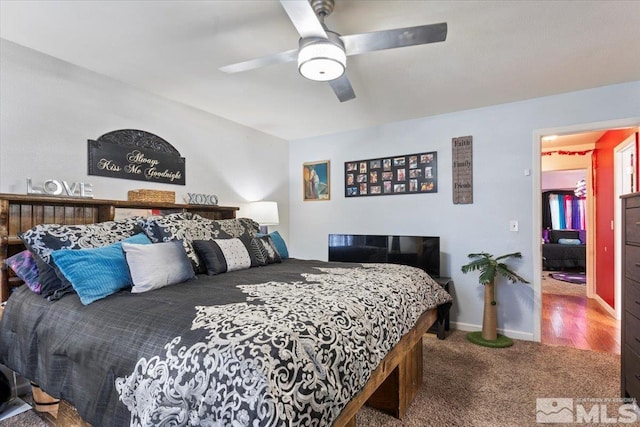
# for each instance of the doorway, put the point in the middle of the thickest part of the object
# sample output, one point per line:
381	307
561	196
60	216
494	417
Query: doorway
568	311
570	315
564	219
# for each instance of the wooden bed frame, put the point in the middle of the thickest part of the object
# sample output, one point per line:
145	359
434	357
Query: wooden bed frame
391	388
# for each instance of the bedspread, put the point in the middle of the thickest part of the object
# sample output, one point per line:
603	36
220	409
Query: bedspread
284	344
557	256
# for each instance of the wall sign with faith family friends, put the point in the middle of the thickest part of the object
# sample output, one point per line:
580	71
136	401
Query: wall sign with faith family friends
462	159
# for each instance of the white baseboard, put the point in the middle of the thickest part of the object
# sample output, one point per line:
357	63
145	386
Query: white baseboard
606	307
519	335
14	407
19	385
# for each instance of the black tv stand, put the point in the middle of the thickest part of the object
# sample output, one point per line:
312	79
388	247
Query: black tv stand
442	323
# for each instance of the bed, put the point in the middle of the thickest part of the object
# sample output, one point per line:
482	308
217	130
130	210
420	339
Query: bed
297	342
564	251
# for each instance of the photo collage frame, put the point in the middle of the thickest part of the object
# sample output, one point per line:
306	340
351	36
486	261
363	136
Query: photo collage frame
393	175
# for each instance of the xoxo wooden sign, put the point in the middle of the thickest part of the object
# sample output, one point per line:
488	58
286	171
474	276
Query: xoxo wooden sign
202	199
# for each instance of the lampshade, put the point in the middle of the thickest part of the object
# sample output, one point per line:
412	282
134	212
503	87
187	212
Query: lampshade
264	213
321	60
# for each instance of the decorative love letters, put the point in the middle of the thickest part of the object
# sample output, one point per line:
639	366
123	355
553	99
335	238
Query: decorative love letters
53	187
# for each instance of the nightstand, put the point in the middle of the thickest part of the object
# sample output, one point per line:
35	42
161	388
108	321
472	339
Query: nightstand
442	324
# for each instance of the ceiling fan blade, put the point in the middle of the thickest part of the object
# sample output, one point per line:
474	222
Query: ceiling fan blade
342	88
276	58
304	18
389	39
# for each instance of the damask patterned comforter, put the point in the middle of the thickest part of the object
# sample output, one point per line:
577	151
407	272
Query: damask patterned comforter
284	344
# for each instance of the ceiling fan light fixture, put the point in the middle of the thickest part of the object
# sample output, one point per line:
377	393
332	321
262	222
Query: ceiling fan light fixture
321	60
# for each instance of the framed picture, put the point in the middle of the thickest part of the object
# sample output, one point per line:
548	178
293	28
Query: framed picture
408	174
315	180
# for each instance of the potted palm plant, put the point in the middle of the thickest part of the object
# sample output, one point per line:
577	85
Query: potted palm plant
489	268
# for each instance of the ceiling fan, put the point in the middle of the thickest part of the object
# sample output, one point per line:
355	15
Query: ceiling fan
322	53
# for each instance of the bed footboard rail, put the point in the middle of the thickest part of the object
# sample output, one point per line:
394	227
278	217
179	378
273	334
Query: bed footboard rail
395	383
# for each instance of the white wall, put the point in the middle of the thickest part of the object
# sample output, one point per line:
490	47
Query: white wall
556	162
50	108
562	179
502	150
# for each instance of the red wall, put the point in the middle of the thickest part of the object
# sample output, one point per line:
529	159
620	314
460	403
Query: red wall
604	191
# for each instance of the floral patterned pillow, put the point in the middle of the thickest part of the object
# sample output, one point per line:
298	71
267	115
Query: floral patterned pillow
43	239
173	227
232	228
46	238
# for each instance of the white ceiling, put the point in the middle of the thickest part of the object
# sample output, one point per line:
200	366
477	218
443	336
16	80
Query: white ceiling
495	52
567	141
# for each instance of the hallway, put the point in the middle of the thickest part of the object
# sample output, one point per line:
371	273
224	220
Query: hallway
573	320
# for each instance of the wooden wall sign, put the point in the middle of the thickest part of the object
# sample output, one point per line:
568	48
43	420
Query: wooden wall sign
138	155
462	159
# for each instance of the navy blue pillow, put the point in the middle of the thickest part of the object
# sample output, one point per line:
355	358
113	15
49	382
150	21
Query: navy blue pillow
212	255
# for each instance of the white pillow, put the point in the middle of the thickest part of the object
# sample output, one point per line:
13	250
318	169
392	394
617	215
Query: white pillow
157	265
235	253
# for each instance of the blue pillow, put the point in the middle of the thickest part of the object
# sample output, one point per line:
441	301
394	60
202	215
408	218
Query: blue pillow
569	241
96	273
279	243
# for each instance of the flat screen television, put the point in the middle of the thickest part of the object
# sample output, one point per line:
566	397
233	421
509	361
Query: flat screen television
417	251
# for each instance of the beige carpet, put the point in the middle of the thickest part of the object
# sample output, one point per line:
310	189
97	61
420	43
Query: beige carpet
558	287
468	385
26	419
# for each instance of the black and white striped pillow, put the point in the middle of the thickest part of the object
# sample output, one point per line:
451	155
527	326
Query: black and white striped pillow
222	255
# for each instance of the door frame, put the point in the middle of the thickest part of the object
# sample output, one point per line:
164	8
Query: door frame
629	143
536	184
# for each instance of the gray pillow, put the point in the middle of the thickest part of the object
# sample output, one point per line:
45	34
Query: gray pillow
157	265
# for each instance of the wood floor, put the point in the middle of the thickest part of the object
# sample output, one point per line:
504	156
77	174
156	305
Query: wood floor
579	322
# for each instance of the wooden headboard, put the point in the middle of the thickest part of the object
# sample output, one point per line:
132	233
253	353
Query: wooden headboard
20	212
